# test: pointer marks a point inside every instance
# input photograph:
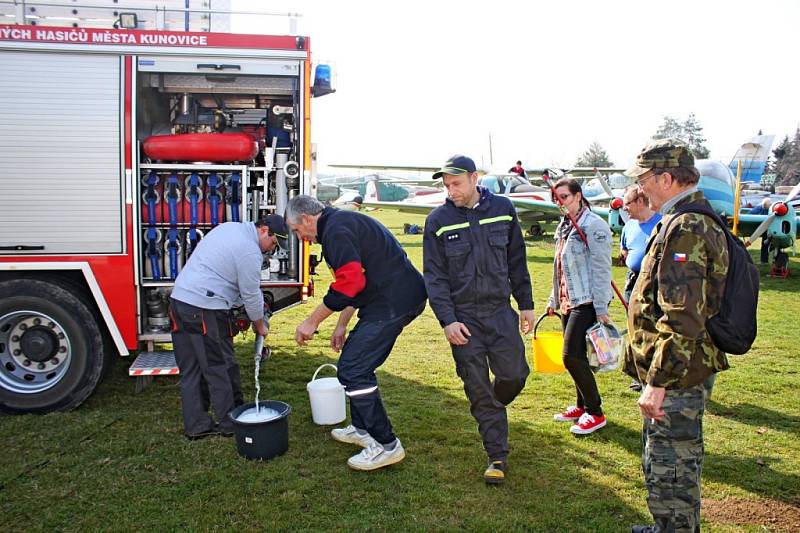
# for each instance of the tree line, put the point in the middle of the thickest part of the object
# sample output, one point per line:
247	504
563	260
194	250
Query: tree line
784	164
689	131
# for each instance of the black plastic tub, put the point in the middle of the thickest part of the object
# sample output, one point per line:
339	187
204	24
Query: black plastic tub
262	440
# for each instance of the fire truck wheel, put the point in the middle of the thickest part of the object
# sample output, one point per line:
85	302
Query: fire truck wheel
51	348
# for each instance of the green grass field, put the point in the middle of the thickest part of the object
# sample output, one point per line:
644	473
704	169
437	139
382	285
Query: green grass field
120	462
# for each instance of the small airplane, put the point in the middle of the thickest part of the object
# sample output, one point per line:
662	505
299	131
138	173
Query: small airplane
392	188
717	181
532	202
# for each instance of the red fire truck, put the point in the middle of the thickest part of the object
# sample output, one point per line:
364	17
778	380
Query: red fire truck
119	149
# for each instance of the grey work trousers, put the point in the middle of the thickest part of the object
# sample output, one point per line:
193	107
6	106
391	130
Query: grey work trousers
495	345
203	345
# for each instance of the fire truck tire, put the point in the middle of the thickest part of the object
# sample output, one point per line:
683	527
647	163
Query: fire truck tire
51	348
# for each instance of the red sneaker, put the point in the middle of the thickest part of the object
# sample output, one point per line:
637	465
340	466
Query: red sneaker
571	414
588	424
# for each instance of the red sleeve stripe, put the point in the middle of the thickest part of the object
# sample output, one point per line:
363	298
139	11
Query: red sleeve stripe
350	279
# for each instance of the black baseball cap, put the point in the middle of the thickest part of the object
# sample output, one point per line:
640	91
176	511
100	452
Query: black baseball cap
458	164
277	226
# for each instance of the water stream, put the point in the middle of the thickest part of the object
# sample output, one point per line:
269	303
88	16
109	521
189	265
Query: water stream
256	414
258	381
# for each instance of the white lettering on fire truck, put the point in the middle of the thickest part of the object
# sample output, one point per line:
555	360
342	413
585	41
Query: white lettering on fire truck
72	36
14	33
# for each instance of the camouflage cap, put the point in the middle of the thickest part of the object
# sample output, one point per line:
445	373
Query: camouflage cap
662	153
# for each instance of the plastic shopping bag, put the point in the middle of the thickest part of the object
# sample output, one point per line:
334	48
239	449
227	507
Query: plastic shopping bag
604	345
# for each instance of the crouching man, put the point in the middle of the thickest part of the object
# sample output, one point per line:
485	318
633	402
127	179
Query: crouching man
372	274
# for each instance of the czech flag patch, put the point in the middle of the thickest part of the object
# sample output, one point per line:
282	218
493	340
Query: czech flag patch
679	258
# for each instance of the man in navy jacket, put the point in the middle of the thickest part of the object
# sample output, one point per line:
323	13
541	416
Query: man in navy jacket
474	260
372	274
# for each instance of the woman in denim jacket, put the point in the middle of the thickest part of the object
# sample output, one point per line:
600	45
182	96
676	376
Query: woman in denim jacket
581	293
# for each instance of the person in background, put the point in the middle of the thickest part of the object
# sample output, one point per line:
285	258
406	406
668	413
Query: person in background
223	272
763	209
372	274
635	234
681	285
633	240
474	259
581	292
518	169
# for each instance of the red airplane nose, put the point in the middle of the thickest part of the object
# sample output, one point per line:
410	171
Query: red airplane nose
616	203
780	209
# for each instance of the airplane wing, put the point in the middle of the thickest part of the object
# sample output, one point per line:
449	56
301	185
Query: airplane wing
407	168
546	210
403	207
594	171
403	182
748	223
533	208
527	210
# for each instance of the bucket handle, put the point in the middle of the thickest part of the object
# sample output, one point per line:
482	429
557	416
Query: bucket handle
321	367
545	315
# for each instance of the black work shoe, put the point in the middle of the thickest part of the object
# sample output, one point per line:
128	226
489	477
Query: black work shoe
495	473
224	432
642	529
202	434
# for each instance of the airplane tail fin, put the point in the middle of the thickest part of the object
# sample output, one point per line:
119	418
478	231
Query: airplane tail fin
371	190
753	154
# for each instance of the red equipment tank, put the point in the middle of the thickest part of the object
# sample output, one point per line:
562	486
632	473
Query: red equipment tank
212	147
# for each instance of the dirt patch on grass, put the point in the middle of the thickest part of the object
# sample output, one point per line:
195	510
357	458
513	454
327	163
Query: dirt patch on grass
775	515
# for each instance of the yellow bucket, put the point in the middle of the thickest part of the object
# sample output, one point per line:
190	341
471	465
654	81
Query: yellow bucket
547	348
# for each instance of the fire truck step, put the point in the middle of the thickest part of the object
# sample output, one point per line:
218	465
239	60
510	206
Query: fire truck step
150	364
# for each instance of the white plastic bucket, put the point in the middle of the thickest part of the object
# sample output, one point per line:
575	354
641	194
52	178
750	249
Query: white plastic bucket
327	399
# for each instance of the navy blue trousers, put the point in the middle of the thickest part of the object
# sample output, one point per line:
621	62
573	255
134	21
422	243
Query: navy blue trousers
496	346
366	348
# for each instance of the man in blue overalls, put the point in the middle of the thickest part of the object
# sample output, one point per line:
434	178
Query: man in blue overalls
372	274
474	259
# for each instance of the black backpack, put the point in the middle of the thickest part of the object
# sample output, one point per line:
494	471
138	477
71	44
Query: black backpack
734	328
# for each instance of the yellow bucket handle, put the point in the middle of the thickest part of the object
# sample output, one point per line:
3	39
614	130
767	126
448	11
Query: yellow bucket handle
540	320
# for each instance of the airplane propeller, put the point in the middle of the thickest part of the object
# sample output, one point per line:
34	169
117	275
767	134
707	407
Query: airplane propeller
604	183
776	207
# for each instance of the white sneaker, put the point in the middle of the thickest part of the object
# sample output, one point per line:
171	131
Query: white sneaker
350	435
376	456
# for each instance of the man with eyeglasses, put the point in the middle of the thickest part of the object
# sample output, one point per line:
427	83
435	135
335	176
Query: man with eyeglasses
635	233
680	286
223	272
633	241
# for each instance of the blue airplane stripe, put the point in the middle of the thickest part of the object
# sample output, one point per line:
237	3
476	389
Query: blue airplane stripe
751	170
716	195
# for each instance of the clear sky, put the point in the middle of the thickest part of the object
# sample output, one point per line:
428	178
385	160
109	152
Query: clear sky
418	81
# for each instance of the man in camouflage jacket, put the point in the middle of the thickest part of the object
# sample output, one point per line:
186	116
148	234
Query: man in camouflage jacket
680	286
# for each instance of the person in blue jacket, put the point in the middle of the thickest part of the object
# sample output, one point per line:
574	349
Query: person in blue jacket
372	274
474	259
